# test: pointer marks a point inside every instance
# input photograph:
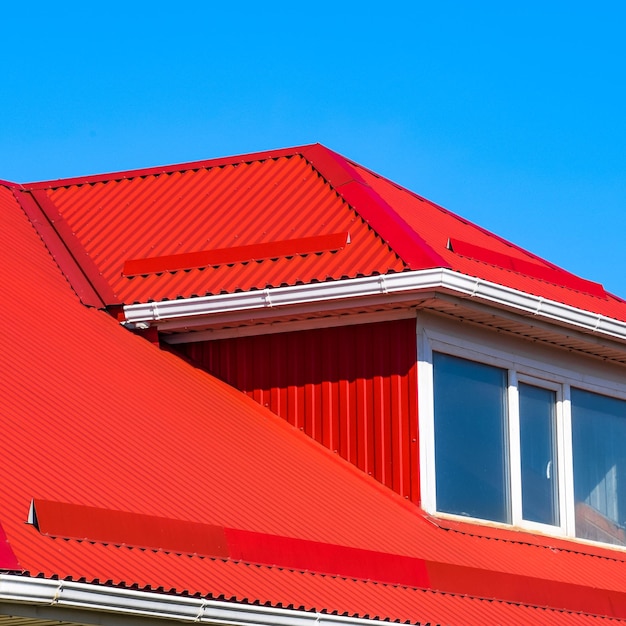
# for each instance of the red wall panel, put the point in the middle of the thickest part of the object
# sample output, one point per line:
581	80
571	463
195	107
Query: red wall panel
352	388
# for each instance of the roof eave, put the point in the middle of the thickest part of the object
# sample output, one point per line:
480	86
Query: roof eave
184	314
108	604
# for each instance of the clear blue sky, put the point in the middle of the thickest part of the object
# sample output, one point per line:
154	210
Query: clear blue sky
510	114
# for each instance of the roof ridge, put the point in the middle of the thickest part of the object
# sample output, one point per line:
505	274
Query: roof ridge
236	159
371	207
64	248
464	220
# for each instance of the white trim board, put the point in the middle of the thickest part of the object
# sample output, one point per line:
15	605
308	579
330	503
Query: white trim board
182	314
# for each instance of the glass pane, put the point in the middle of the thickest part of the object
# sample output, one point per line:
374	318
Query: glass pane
470	438
538	451
599	450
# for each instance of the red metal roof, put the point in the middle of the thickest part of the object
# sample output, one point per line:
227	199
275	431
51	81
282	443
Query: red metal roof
474	251
271	203
94	416
247	222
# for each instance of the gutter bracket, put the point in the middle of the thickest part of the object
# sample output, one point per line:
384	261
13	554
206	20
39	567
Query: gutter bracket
154	308
475	289
57	594
201	610
383	284
598	323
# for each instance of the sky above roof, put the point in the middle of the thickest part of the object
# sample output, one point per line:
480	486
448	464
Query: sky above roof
508	114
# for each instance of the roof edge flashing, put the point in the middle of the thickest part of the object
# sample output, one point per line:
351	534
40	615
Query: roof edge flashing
157	170
407	284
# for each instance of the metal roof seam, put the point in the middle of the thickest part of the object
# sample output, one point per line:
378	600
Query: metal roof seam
84	262
383	219
536	545
57	248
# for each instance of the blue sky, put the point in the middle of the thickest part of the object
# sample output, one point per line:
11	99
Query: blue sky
510	114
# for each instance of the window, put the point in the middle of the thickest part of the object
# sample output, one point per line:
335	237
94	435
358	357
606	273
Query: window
599	454
513	441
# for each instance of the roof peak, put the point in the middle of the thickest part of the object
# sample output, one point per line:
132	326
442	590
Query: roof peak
172	168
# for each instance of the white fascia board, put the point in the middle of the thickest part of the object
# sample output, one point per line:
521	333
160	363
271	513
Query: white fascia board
282	296
118	602
348	290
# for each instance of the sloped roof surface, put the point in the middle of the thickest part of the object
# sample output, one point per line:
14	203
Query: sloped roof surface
279	218
94	416
475	251
231	206
99	427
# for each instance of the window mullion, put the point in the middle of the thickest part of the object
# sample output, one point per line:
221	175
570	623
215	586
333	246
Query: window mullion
566	463
515	463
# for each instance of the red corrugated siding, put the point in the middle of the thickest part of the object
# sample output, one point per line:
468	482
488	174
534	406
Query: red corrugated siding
352	388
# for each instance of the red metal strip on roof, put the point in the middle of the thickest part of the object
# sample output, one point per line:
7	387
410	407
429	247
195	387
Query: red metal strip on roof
10	185
73	521
239	254
76	248
543	272
327	558
58	248
385	221
8	560
291	553
332	166
163	169
526	589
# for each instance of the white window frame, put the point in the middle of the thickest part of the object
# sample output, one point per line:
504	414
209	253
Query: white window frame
484	347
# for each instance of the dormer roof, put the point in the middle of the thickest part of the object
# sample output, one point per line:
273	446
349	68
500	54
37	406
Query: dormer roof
279	218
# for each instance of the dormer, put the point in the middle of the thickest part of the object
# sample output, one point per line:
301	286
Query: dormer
476	380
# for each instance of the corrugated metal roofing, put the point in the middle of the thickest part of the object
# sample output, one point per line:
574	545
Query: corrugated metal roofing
272	198
439	226
95	416
352	388
268	201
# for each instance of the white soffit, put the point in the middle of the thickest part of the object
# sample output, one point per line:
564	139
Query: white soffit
180	315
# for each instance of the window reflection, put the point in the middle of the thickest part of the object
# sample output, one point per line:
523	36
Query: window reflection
470	438
599	451
537	415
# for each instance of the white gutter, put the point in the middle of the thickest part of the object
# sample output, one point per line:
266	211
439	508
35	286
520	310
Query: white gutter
119	602
407	283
